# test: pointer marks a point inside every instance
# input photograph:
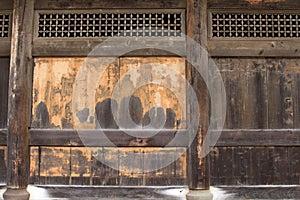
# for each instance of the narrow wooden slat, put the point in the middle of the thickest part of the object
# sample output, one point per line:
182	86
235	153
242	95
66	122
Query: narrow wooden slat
256	138
296	96
254	4
257	48
69	4
280	106
232	78
254	94
40	137
70	47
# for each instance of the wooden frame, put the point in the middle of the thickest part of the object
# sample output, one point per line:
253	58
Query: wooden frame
83	46
259	47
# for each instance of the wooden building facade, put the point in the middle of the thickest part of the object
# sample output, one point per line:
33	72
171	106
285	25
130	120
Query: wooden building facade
44	44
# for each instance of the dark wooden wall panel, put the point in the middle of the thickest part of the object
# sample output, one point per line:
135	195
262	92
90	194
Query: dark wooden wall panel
6	5
262	93
255	166
2	165
4	71
296	95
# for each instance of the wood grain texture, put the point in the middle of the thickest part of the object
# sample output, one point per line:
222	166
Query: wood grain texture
198	167
254	166
20	83
76	47
42	137
108	84
262	93
254	48
257	138
88	166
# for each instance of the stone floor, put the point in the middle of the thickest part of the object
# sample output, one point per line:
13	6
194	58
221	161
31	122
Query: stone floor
220	193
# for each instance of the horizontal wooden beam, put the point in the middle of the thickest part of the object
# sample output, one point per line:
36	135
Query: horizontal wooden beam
70	4
257	138
112	47
254	48
254	4
234	138
110	138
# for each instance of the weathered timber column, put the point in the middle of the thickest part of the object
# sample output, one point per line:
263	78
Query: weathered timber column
198	167
20	82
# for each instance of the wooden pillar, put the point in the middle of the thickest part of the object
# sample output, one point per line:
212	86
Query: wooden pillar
19	100
198	167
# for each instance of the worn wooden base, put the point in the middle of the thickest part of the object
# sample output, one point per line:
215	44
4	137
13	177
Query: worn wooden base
199	194
16	194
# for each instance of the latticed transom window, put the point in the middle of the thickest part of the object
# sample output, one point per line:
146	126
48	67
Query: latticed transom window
4	25
77	24
255	25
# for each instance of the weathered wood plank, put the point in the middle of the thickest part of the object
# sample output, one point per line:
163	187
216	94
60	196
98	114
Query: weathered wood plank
280	102
5	48
61	83
6	5
296	93
55	162
40	137
246	137
255	138
4	75
241	167
254	166
89	166
20	83
68	4
221	175
254	4
251	48
131	47
294	164
254	94
232	75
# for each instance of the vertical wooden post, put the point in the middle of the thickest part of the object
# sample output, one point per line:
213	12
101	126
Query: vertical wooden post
198	167
20	84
